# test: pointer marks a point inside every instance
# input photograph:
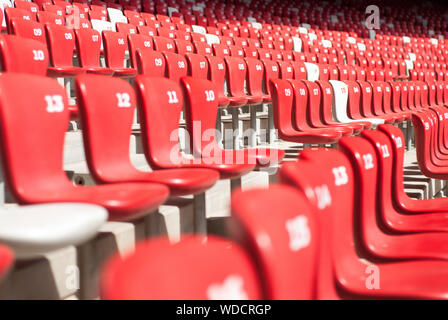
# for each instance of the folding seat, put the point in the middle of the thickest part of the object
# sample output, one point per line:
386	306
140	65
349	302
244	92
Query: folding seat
237	72
198	37
254	85
115	47
221	50
61	45
373	229
43	180
126	28
182	27
299	70
186	36
137	277
136	21
60	11
271	72
166	33
264	54
28	29
176	66
108	159
183	46
342	264
164	44
15	13
197	66
147	31
195	104
217	75
150	63
116	15
30	7
158	142
286	70
88	44
50	18
284	105
97	15
203	48
289	263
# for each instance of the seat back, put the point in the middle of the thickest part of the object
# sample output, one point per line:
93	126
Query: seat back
106	107
282	104
61	43
366	98
138	41
314	103
288	264
17	13
201	108
378	97
197	66
255	73
214	269
385	156
88	43
236	76
271	72
340	100
23	55
326	103
37	105
115	47
28	29
151	63
396	139
162	44
50	18
396	96
176	66
160	135
217	74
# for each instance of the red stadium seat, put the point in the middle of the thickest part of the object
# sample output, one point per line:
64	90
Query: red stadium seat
88	44
23	55
289	261
115	47
206	273
29	182
28	29
61	43
151	63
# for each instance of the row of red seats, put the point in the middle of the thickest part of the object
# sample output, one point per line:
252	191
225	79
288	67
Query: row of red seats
343	228
125	191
